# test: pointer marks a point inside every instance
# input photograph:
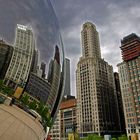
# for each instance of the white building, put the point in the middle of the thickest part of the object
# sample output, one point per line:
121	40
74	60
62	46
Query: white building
19	68
97	110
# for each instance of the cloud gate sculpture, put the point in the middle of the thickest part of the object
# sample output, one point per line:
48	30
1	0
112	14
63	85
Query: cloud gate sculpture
32	69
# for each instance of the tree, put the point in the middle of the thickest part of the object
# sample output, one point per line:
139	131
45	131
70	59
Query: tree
40	108
33	105
44	112
25	99
8	91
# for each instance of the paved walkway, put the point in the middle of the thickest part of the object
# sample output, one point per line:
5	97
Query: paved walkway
16	124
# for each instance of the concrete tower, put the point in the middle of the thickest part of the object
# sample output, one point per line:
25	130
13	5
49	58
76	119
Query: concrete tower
97	108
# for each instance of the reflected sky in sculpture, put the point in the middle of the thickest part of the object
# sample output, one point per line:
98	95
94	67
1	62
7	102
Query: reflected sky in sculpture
38	14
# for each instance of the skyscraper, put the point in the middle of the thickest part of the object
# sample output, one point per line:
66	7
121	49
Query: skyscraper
19	68
129	74
97	108
5	57
67	81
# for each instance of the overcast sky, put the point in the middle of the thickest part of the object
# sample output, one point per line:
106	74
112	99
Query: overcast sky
114	19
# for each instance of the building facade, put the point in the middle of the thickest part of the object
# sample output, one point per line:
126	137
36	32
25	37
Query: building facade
55	130
65	122
21	61
68	117
6	51
37	87
129	74
67	81
54	79
120	102
97	109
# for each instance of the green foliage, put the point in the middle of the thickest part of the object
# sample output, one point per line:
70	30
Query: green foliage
8	91
114	138
40	108
93	137
33	105
25	99
123	137
44	112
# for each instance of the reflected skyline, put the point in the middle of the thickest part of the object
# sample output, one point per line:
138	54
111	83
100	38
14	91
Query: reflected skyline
39	16
34	80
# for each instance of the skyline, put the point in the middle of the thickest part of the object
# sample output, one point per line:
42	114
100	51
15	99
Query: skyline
114	20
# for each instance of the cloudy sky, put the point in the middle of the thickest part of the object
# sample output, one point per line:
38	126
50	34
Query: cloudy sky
114	19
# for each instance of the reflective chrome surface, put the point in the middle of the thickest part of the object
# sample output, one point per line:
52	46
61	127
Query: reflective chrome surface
44	84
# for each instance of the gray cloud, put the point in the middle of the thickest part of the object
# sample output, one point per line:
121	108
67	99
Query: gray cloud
113	20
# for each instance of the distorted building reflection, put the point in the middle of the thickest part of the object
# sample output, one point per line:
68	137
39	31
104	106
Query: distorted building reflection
20	65
6	51
38	88
32	72
54	78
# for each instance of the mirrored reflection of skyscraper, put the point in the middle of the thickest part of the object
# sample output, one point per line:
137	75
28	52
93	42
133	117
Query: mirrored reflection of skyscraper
43	68
19	68
55	79
6	51
97	110
34	66
25	65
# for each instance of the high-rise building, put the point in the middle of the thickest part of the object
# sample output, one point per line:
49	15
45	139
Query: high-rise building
67	81
129	75
97	109
120	103
5	57
20	65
